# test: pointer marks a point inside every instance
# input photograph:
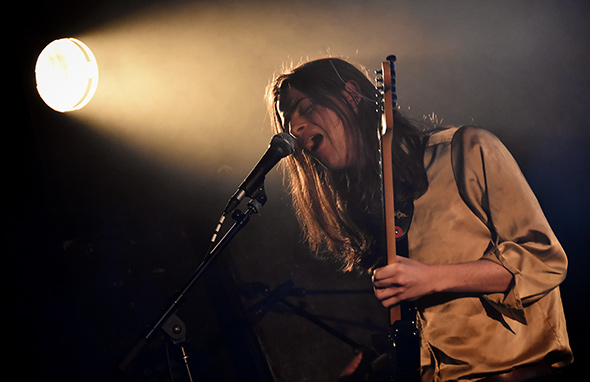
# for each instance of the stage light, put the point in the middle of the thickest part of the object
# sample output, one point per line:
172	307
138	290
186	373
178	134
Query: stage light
67	75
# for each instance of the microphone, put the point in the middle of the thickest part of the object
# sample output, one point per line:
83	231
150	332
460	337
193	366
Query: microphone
281	145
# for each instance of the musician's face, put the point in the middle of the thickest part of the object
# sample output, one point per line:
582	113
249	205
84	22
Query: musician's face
318	130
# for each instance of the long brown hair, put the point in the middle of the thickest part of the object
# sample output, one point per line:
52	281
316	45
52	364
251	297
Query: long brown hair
340	211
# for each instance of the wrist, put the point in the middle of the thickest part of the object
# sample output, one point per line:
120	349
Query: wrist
440	280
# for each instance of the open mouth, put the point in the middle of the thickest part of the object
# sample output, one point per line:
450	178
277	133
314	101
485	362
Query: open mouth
314	142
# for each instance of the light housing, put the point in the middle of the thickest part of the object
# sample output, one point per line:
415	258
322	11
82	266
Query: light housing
66	73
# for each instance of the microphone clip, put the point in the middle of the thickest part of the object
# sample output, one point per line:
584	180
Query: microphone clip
255	204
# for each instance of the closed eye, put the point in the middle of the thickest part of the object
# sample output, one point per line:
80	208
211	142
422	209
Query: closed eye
305	108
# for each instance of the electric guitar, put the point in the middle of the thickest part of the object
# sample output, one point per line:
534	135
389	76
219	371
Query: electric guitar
403	334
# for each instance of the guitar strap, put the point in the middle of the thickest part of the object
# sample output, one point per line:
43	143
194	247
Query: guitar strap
403	220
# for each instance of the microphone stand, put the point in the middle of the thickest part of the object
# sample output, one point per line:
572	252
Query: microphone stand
279	296
168	321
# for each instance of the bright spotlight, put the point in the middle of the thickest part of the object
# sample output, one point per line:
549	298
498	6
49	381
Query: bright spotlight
67	75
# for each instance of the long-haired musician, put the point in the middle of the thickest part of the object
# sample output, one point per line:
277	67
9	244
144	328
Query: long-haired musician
483	265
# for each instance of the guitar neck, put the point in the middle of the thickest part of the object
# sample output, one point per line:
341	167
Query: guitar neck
404	337
389	100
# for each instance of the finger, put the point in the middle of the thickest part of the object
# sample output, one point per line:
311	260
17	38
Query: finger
385	272
386	283
393	277
391	301
388	293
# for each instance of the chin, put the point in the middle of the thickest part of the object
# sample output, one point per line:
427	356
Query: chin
334	164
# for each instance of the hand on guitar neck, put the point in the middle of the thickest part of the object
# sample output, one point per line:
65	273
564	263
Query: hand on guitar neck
407	279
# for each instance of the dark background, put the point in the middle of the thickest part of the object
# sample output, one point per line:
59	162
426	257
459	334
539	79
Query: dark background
99	232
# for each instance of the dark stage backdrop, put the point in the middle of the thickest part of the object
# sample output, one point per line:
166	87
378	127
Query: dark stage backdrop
100	230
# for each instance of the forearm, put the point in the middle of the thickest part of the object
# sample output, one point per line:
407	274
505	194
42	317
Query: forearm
480	276
409	279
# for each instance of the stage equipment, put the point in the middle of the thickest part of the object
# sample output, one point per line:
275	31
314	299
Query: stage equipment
281	146
66	73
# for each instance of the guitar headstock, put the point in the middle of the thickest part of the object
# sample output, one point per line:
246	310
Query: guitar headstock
387	92
386	89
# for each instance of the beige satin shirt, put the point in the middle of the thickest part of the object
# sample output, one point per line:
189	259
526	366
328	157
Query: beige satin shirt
488	213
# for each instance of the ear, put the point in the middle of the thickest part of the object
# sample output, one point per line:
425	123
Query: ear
352	93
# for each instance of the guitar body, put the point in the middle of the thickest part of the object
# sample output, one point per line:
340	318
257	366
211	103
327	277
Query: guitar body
403	334
404	339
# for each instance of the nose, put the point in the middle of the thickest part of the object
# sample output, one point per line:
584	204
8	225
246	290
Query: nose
297	125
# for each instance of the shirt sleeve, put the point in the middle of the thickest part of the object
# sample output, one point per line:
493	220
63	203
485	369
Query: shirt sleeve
492	185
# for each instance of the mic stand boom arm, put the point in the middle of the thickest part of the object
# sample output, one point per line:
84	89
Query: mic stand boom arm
241	219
